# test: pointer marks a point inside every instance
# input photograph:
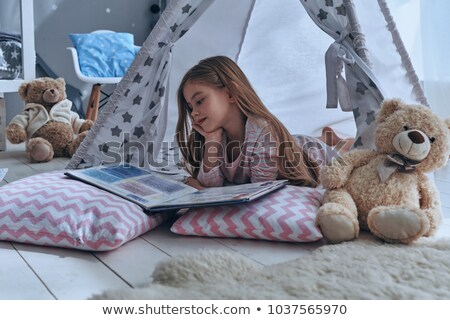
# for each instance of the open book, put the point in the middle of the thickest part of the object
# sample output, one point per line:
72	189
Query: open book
155	192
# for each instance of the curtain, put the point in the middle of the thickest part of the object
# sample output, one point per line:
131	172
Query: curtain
424	27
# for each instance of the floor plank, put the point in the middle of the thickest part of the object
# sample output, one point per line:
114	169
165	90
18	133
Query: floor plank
444	230
17	280
70	274
52	273
174	244
16	170
258	250
55	164
134	262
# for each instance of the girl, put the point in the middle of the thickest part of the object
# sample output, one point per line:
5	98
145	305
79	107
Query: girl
227	135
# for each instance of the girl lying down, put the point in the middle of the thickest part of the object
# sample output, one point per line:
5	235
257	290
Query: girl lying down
228	136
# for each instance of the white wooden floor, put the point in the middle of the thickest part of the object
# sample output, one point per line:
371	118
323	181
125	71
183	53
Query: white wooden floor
35	272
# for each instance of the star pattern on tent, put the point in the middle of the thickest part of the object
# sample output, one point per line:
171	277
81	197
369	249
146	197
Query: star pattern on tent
129	158
153	119
152	105
116	131
103	148
329	3
356	113
126	93
370	117
322	14
341	10
360	88
150	147
127	117
137	100
148	62
186	8
358	142
192	12
162	44
174	27
183	32
161	91
138	78
138	131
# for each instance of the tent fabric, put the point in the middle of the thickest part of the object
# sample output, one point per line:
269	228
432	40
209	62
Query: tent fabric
130	123
284	62
406	61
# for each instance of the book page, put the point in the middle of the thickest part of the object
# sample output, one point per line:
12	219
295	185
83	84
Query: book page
234	194
141	186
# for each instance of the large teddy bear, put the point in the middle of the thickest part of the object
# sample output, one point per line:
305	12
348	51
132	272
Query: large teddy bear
387	191
47	121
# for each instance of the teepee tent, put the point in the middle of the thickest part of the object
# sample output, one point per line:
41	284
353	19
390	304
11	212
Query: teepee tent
303	73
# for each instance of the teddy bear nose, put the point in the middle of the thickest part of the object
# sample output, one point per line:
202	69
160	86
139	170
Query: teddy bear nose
416	137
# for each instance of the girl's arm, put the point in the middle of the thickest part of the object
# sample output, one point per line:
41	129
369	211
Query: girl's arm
209	174
263	165
212	178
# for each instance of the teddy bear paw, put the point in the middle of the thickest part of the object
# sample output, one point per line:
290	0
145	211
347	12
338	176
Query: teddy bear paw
39	150
398	224
76	143
333	177
87	125
337	223
15	133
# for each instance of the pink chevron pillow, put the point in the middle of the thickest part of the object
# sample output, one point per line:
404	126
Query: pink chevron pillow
286	215
52	210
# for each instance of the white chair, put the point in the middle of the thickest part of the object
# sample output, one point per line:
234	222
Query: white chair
94	99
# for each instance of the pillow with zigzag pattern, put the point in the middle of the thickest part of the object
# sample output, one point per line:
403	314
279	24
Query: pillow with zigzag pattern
287	214
51	209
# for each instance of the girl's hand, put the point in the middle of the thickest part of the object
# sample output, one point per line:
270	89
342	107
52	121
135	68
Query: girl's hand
194	183
212	147
213	136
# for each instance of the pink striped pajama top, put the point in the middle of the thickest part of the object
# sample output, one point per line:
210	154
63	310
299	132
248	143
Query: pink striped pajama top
257	159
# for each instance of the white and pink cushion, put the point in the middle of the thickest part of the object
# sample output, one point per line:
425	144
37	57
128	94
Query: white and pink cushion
285	215
52	210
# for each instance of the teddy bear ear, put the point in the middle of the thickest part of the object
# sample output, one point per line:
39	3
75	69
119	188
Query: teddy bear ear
447	122
388	107
23	90
61	80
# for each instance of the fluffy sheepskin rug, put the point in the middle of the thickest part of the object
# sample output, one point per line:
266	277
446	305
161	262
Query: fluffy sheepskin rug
360	269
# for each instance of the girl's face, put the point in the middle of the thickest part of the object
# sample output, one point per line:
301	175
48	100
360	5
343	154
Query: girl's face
211	107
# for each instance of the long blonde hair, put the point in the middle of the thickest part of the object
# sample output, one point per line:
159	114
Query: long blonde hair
221	72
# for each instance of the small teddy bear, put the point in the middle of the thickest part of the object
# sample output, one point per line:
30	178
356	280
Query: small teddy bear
387	191
47	122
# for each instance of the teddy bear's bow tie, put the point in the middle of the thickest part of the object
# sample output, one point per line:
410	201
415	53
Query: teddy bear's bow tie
393	163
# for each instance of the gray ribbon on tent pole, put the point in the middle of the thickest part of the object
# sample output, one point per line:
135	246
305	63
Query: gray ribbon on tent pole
337	89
